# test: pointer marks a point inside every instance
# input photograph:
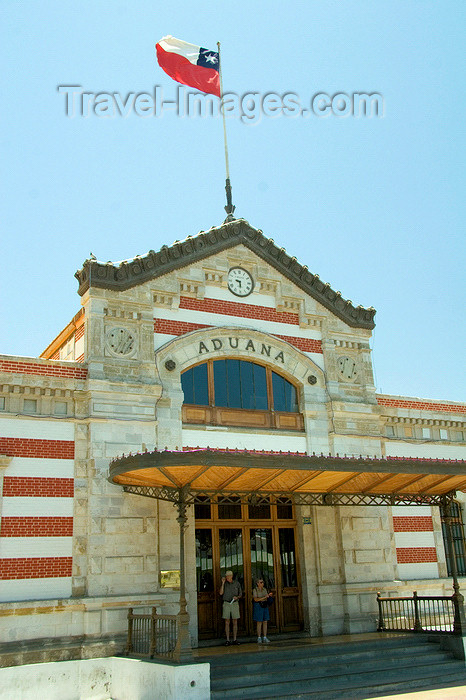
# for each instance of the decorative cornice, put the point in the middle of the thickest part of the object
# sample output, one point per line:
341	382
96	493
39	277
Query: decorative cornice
271	459
141	269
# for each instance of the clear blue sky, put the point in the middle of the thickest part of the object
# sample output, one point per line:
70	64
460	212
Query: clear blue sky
376	207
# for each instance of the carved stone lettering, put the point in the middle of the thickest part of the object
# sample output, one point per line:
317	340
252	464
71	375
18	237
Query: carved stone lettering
241	343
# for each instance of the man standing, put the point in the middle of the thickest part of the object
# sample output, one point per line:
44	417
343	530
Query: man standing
231	592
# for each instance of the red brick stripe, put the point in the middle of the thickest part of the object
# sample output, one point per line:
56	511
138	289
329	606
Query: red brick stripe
415	555
162	325
79	332
35	567
32	447
304	344
421	523
35	486
233	308
45	370
80	358
37	527
421	405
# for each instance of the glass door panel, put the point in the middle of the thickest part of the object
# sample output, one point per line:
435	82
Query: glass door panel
231	558
289	591
262	565
206	598
262	557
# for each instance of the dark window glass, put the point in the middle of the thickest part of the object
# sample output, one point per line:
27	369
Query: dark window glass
195	386
459	541
233	383
220	383
284	509
229	509
240	384
247	385
202	509
284	394
204	561
259	511
231	553
260	387
287	557
262	557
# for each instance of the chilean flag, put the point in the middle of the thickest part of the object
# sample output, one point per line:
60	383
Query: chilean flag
190	65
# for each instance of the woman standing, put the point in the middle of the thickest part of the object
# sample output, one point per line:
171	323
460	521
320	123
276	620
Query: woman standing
261	613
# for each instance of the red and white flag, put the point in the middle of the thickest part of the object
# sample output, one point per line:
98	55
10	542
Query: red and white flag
189	64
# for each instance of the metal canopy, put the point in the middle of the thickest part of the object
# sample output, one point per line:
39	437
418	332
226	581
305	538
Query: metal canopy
191	474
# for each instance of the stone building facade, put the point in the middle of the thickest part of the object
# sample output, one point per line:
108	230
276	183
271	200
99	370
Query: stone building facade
76	551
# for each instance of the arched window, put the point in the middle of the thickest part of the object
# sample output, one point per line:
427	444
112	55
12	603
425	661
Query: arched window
228	386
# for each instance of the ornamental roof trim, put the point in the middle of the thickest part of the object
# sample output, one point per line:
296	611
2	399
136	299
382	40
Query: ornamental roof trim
130	273
269	472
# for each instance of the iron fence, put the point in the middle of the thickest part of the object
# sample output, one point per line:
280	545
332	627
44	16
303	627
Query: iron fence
151	634
439	614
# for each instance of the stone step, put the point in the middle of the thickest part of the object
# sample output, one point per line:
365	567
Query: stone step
281	687
256	662
376	690
308	669
360	669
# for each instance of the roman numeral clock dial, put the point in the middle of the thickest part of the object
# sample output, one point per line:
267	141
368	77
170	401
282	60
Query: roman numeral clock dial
240	282
347	368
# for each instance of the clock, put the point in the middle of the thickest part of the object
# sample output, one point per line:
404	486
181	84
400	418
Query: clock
347	368
240	282
120	341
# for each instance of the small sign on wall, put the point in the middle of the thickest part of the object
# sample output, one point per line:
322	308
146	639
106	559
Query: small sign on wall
170	579
307	521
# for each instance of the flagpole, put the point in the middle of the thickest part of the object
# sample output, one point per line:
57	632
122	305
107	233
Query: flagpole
229	207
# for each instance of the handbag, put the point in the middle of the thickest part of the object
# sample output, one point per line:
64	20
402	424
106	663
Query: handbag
266	603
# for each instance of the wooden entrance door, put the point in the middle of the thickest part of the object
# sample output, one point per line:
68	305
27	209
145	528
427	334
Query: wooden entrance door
251	548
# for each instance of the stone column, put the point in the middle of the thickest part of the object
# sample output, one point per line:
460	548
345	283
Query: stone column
184	650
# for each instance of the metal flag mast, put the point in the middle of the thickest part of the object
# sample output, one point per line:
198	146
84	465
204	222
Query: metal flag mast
229	207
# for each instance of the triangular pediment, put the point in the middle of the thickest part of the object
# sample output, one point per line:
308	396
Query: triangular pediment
122	276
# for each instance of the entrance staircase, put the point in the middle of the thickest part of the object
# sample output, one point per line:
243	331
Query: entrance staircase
351	670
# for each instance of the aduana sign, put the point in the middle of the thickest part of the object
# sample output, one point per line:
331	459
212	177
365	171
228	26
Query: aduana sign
238	343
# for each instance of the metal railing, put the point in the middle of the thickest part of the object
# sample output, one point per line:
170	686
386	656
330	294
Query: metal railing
150	634
439	614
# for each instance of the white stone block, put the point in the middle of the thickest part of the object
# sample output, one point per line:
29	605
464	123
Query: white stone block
366	556
415	539
30	467
37	430
18	547
37	506
418	570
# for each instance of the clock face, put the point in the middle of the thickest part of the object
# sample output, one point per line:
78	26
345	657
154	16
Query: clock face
347	367
120	341
240	282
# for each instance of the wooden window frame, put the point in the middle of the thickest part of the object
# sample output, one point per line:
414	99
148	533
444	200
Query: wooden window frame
243	417
274	517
